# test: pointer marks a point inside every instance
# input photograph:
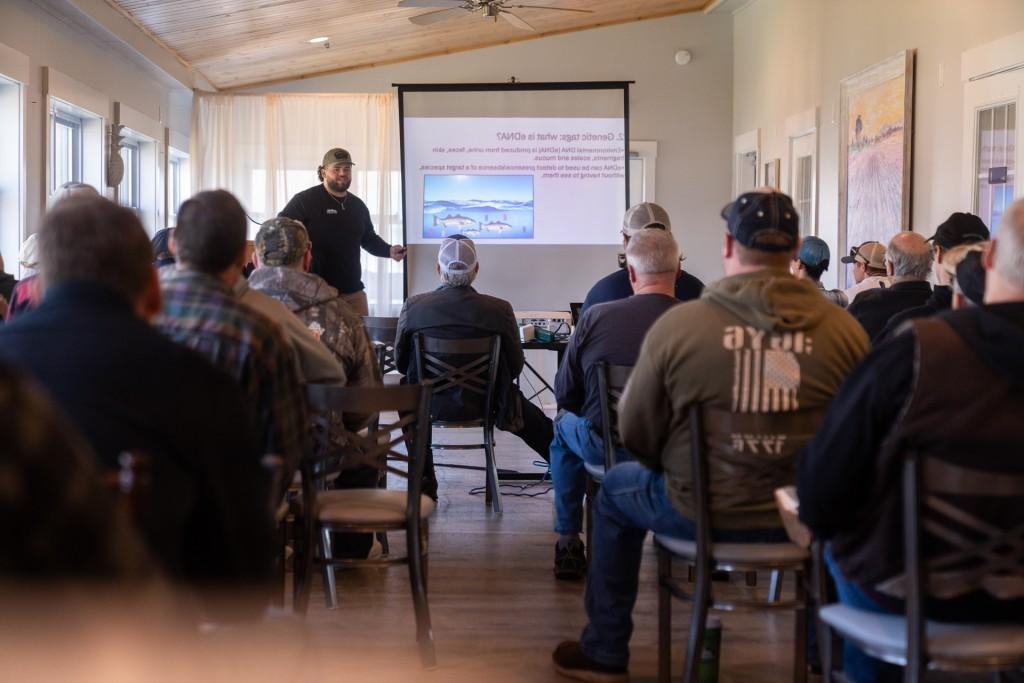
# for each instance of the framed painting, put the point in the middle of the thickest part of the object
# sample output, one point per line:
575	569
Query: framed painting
876	145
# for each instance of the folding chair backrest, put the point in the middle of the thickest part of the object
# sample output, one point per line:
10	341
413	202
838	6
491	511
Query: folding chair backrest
382	333
338	448
749	455
611	381
462	369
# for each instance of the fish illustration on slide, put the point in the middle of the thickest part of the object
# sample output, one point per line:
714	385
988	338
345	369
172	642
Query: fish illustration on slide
456	221
496	226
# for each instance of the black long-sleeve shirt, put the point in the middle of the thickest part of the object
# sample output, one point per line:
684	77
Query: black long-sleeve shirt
337	228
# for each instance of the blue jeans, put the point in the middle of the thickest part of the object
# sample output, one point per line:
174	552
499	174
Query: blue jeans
574	443
857	665
631	501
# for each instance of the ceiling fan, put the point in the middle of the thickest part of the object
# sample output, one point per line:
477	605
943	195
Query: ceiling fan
453	9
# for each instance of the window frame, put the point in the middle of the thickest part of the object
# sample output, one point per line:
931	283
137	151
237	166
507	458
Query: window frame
132	174
58	117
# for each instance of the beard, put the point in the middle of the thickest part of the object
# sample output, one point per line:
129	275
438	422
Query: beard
338	186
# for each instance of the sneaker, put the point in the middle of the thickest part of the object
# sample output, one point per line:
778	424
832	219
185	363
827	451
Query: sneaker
572	663
570	561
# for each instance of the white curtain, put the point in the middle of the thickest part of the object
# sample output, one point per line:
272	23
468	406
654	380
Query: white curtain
265	148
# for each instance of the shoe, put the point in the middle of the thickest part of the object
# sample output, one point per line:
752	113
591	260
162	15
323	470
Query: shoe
570	561
572	663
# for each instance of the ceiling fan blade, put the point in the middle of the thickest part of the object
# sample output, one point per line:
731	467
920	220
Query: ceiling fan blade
516	21
559	9
435	17
431	3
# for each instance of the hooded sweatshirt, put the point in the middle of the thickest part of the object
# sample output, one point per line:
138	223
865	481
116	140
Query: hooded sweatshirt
325	316
761	347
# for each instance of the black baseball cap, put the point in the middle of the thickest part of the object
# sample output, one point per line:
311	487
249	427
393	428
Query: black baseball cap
959	228
763	220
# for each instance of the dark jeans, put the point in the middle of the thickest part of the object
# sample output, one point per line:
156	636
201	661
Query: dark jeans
857	665
632	500
575	443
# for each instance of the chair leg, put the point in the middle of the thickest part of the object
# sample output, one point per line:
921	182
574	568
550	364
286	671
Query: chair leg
330	586
417	581
698	619
664	616
799	630
775	586
492	471
303	567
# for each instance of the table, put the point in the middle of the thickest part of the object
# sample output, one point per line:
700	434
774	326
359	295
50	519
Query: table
558	347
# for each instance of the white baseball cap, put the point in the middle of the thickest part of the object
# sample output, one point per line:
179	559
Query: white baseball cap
457	255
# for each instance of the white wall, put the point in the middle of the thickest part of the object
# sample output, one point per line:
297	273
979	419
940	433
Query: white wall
685	109
790	55
50	37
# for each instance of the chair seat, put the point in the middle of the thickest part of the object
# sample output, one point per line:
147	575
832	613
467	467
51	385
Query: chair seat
741	553
392	379
885	636
595	471
367	506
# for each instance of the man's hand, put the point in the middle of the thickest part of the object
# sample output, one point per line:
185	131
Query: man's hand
397	252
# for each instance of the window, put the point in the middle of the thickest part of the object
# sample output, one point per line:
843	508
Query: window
66	161
12	182
173	190
996	153
128	190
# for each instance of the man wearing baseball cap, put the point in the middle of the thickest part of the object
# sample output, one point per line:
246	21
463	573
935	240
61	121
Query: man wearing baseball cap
810	262
339	224
457	311
761	353
868	261
643	216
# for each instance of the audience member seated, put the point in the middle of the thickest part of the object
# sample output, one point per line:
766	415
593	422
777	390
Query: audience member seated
163	250
810	262
908	261
126	387
282	256
7	283
58	521
457	311
868	261
647	215
611	332
956	232
909	396
942	294
760	342
27	294
201	312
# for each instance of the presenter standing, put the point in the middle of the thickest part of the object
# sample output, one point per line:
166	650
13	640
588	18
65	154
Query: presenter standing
338	224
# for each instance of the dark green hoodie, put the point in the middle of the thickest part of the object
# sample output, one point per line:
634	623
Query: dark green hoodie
755	346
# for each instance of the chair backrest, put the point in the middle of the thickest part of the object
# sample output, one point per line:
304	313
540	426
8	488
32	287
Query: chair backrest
611	380
749	455
463	371
382	333
337	448
963	531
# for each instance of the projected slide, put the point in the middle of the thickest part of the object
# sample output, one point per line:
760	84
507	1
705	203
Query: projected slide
543	180
480	206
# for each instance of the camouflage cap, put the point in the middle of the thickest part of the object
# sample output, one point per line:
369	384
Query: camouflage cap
281	241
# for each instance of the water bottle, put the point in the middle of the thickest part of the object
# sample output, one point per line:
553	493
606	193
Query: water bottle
707	671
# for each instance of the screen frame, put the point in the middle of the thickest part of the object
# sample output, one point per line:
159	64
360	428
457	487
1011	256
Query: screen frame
490	87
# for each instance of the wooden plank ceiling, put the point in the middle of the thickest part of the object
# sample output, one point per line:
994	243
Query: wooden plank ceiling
239	43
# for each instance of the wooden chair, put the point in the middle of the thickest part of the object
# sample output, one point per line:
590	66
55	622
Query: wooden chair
368	510
467	368
382	333
708	556
611	380
944	548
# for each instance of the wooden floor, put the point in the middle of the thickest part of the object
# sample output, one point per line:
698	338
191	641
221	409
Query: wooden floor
497	610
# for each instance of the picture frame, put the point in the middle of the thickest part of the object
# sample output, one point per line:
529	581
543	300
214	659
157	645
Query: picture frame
772	174
876	117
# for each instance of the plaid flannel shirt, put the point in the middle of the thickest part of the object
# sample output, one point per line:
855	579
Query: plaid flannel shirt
202	313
